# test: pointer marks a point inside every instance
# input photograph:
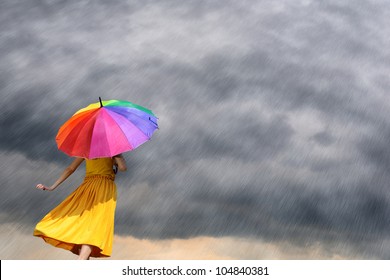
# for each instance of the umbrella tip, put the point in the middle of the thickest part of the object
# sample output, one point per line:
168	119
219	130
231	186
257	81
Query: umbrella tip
100	100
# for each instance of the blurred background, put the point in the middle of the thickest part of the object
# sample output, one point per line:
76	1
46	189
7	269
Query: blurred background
274	124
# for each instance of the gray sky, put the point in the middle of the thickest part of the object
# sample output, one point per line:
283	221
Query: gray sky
273	115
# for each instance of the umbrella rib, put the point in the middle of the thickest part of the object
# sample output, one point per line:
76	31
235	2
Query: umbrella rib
85	125
112	112
78	120
140	119
147	135
123	133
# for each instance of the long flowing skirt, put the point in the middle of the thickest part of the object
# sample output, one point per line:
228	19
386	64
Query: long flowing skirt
86	216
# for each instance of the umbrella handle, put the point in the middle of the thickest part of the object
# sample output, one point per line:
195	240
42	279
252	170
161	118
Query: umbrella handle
100	100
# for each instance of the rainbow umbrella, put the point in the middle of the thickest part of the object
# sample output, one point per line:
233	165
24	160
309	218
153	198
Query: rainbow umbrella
106	129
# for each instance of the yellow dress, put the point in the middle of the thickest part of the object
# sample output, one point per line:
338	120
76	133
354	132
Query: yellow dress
86	216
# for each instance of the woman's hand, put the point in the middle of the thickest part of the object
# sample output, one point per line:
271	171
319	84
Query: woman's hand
120	162
65	174
43	187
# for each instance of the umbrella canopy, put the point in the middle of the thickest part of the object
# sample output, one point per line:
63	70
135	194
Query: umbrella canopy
106	129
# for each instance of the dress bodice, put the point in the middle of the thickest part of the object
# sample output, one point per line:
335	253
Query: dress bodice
99	166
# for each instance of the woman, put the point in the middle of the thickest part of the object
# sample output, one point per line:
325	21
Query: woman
84	222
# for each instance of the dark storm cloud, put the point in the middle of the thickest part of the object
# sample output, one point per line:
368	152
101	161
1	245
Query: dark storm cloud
273	116
323	138
294	213
21	132
374	146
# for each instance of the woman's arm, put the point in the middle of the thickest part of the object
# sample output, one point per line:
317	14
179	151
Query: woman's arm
65	174
120	162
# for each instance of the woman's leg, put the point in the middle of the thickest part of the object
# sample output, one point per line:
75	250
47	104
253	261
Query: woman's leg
85	251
